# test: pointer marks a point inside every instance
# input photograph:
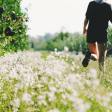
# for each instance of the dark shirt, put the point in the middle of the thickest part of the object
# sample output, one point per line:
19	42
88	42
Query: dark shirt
98	15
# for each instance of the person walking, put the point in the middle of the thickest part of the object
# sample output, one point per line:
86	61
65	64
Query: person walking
98	14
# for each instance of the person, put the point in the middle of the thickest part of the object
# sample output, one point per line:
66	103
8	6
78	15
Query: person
98	14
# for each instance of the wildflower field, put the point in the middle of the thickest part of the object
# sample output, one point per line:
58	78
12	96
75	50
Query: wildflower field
53	82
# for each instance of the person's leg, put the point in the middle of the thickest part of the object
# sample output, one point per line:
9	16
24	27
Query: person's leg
92	53
86	59
93	48
102	48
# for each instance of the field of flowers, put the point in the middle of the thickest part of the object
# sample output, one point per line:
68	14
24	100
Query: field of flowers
53	82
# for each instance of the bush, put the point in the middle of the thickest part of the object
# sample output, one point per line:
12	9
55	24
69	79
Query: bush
13	29
75	42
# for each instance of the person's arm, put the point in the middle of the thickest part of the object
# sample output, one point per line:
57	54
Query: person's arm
111	18
110	14
86	21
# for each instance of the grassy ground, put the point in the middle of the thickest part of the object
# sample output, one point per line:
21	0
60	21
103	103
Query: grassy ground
53	82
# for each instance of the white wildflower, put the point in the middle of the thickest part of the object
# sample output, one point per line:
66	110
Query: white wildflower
95	82
41	99
55	50
93	73
15	103
51	96
27	98
66	49
52	89
54	110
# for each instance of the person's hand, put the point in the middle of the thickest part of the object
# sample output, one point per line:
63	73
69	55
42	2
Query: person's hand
85	32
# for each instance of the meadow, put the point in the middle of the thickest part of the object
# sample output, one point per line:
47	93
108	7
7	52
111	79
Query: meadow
53	82
37	75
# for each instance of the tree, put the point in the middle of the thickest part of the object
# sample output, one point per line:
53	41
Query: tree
13	36
110	37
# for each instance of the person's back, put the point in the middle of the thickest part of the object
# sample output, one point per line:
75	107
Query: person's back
98	15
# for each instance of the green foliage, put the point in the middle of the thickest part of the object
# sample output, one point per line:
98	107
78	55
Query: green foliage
13	29
75	42
109	37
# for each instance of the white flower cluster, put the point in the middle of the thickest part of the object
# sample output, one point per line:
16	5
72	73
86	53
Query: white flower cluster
37	84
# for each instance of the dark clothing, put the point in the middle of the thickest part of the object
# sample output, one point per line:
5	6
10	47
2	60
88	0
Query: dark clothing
98	16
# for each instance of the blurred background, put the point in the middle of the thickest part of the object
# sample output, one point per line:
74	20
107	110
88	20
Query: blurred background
57	24
44	25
